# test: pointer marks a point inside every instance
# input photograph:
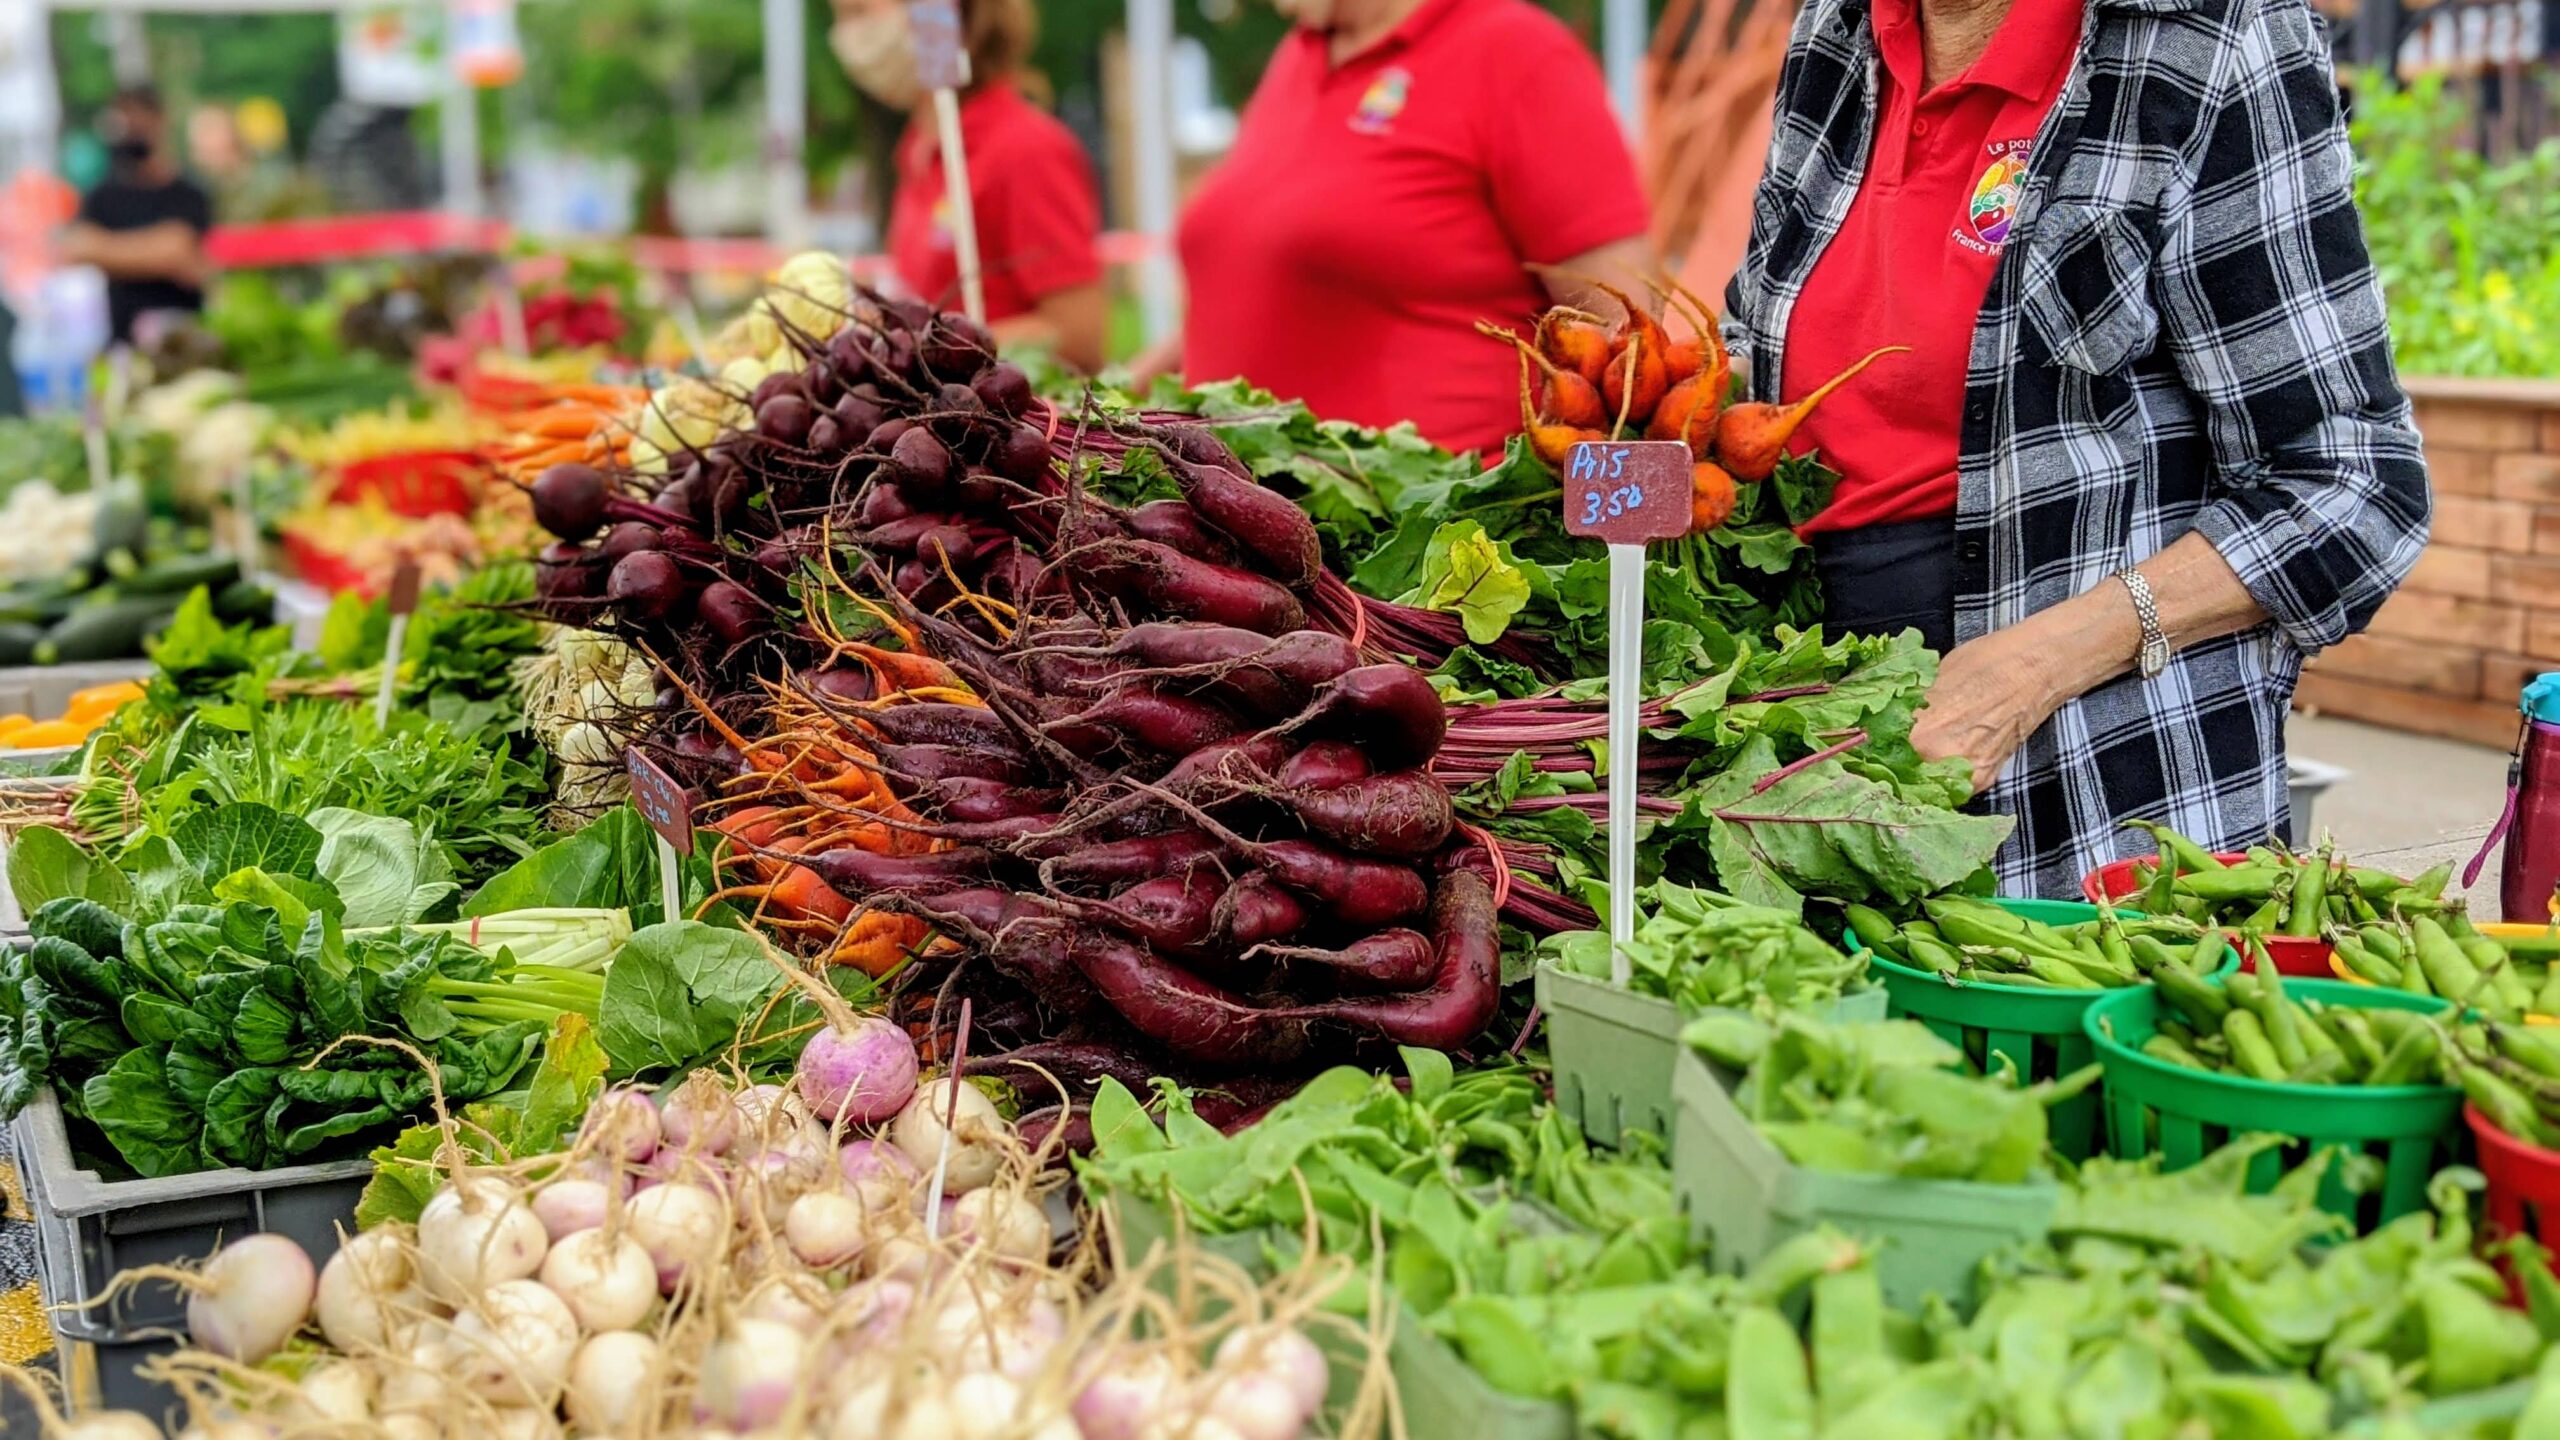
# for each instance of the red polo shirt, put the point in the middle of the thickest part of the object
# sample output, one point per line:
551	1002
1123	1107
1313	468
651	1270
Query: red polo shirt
1038	210
1912	263
1372	212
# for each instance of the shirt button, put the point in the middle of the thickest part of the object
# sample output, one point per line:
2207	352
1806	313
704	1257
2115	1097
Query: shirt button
1919	127
1971	550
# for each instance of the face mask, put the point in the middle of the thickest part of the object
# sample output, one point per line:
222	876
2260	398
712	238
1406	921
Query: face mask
879	55
129	150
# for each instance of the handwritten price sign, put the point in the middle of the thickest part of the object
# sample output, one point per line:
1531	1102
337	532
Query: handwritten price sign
666	805
1627	492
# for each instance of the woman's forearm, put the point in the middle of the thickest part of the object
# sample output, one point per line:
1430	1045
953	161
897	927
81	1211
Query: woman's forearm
2096	636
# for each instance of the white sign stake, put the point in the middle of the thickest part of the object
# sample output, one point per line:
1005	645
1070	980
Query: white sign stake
1627	492
950	1118
404	599
942	64
668	807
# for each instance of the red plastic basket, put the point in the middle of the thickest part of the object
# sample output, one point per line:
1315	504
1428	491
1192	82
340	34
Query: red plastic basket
2294	955
415	483
2524	1187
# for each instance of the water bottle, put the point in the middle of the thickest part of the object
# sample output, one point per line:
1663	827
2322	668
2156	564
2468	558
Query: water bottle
2529	882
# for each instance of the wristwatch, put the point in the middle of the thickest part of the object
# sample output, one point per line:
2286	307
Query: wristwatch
2153	657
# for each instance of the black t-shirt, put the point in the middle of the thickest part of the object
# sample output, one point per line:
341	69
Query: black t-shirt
119	204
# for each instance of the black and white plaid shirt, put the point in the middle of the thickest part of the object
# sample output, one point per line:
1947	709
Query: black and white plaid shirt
2184	333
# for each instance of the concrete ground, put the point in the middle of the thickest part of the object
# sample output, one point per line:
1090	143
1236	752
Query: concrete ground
2408	801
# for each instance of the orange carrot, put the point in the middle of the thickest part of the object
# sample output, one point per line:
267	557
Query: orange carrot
1750	438
798	890
1550	443
1571	400
1634	388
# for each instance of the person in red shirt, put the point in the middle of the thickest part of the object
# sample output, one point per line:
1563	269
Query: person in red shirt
1032	188
1406	169
1910	266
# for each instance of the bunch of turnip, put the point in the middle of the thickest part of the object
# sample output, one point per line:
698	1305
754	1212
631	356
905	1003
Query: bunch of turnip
733	1260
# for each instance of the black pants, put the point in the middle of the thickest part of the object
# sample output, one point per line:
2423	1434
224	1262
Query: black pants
1885	579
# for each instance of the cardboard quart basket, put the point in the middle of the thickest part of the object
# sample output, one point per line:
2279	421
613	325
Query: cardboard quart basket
1749	1199
1441	1395
1613	1050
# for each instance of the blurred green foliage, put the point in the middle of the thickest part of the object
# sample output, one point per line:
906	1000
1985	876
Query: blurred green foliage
2468	249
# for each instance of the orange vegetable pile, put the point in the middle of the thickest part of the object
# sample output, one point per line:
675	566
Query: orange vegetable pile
1582	381
80	719
557	423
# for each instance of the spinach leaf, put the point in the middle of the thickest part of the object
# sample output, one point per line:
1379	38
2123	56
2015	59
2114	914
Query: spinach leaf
679	994
611	864
293	900
246	835
142	1117
45	865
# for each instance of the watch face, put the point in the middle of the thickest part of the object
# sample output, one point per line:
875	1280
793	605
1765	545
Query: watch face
2155	657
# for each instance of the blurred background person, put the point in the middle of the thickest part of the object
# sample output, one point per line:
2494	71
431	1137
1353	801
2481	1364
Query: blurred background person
1406	169
144	224
1038	209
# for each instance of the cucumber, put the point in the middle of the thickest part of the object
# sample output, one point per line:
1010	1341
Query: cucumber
107	630
178	574
244	600
124	519
18	641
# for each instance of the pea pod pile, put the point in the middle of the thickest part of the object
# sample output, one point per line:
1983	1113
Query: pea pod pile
1883	1097
1970	941
1700	949
2444	955
2249	1026
2511	1073
2272	890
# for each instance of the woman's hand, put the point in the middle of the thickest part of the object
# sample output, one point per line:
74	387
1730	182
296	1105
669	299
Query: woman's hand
1156	361
1992	693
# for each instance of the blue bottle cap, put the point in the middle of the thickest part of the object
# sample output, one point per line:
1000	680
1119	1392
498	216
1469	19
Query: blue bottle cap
2541	698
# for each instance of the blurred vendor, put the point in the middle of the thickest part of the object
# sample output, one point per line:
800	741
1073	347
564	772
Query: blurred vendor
144	225
2147	452
1406	169
1038	209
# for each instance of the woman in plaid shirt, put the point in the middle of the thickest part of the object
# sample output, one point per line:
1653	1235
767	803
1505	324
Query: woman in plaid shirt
2147	450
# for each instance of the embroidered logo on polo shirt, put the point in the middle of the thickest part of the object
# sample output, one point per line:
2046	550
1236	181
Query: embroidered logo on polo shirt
1383	101
1993	206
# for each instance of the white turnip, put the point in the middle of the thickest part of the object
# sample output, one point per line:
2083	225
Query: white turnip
368	1295
612	1379
1283	1352
523	1423
799	1301
106	1425
335	1392
825	1228
1127	1394
767	1113
983	1406
977	1133
750	1376
608	1281
700	1116
475	1233
770	1178
513	1347
981	1330
858	1073
679	1224
251	1297
1256	1403
621	1125
566	1207
1006	1221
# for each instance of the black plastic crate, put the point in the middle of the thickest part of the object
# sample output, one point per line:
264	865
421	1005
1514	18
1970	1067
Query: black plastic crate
89	1229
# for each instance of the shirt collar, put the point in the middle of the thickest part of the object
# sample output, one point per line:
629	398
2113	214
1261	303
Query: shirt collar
1408	30
2026	55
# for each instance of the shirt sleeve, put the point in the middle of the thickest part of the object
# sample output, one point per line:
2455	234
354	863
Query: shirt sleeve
1556	163
1052	214
2275	319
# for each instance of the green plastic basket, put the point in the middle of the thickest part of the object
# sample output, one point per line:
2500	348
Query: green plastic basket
1442	1396
1613	1050
2187	1114
2034	1028
1750	1199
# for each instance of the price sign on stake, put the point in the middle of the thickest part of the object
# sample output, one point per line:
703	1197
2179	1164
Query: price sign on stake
942	66
1626	492
668	807
403	602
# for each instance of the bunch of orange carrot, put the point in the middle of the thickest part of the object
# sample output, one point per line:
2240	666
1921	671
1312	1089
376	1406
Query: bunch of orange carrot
589	424
1594	382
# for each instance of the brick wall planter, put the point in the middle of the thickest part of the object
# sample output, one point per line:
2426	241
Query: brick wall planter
2481	613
